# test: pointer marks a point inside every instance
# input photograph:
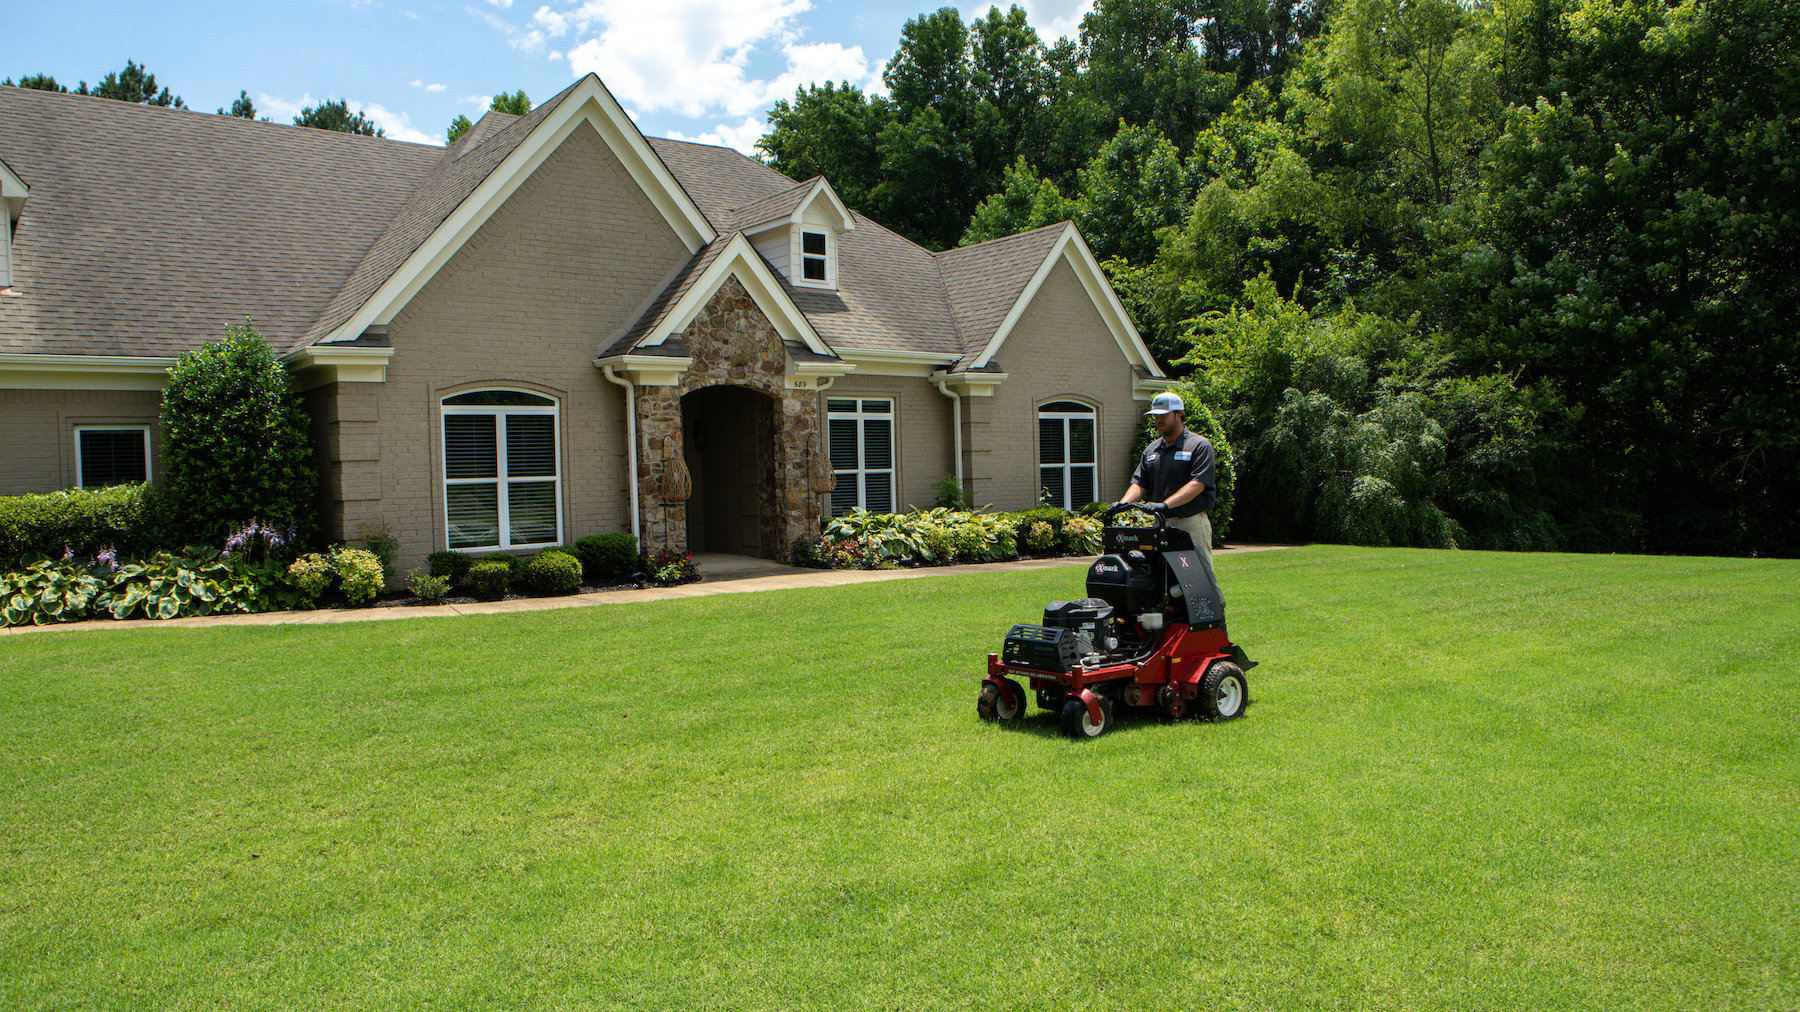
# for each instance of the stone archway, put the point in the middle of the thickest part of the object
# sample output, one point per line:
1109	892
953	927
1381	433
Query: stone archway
733	347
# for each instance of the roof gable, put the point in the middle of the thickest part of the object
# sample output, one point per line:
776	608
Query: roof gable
694	286
1067	246
469	186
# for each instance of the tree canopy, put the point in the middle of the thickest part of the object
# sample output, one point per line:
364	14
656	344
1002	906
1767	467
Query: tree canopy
335	114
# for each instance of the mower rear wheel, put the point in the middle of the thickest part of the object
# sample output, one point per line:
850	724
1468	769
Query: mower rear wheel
1222	693
992	704
1078	723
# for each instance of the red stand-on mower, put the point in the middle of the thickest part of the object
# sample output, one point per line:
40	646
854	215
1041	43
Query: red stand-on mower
1150	633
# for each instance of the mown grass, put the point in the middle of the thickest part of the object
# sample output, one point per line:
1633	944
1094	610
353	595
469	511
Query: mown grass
1467	781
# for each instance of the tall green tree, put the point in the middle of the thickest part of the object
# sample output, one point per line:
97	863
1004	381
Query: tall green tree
335	114
37	82
133	84
515	103
830	130
241	107
1642	219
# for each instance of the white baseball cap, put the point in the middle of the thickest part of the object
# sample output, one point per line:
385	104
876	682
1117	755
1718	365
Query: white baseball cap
1164	403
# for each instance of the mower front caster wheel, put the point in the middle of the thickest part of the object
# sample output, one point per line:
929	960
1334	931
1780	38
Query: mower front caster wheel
1222	693
1078	723
992	704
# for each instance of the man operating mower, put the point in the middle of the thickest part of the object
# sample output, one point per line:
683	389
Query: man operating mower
1177	472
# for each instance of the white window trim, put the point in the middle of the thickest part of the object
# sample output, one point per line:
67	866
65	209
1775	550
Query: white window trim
799	256
6	275
861	416
502	481
1067	466
80	477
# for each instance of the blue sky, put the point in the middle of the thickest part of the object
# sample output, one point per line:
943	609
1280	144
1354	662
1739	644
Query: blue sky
704	70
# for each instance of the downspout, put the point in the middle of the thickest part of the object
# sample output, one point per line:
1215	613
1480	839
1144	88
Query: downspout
630	438
943	386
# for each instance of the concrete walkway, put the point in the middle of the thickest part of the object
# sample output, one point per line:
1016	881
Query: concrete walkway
720	574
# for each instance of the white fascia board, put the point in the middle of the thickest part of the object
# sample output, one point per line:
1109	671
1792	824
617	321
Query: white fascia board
970	384
740	259
646	370
1146	389
590	103
874	362
315	366
14	190
1072	248
24	371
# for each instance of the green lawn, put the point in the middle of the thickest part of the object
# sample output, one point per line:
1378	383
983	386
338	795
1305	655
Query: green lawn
1467	781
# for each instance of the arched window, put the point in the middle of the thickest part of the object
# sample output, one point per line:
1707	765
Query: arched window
502	488
1066	453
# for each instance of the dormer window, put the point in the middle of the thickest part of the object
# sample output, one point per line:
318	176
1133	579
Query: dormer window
13	192
813	259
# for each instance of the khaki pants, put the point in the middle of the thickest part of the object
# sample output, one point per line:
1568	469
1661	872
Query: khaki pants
1199	527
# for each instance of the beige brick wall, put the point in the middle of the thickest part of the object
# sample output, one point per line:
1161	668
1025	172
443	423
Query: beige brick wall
922	437
1059	350
38	427
526	303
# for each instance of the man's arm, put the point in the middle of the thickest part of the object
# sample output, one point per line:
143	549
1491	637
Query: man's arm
1133	494
1183	495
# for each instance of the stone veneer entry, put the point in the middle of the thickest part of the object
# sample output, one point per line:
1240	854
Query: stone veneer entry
732	344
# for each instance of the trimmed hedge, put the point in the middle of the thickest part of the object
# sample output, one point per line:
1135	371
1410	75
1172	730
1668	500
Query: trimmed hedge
490	580
607	556
452	566
553	571
130	519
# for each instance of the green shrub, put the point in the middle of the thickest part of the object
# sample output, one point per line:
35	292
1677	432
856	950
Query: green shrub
379	538
427	587
553	572
236	446
310	574
132	519
489	580
1081	535
170	585
948	493
514	563
607	556
359	572
451	566
1040	536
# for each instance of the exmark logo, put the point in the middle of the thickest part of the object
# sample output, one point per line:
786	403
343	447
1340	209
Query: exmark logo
1101	567
1184	562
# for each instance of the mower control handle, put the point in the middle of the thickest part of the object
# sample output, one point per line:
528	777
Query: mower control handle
1158	510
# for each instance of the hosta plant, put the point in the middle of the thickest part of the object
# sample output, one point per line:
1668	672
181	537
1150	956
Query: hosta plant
48	592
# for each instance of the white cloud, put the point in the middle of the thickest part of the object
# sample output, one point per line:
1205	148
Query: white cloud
395	125
1053	19
553	24
743	136
688	56
427	87
502	4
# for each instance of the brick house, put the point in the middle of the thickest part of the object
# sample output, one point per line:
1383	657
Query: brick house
554	327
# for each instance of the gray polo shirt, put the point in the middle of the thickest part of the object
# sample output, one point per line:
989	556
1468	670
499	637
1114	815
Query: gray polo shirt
1164	469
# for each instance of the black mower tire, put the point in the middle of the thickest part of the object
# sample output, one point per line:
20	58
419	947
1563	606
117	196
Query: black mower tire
1077	724
991	706
1223	692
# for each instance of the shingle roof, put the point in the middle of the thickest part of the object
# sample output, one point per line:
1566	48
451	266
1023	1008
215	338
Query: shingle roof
149	228
984	281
